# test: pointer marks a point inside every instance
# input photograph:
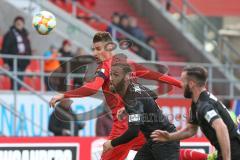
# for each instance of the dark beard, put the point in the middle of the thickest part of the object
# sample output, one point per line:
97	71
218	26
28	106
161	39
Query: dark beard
187	92
118	88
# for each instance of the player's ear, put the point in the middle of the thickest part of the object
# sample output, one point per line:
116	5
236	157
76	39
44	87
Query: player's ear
191	83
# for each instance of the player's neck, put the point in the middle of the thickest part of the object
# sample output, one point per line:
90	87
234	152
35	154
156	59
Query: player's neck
196	93
108	56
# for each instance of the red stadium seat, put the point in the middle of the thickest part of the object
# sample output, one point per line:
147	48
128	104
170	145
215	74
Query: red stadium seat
68	7
34	66
5	83
87	3
33	81
98	25
81	14
1	62
59	3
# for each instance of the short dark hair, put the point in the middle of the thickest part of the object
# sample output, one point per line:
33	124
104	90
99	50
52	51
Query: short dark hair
102	37
198	73
119	58
19	18
125	67
115	14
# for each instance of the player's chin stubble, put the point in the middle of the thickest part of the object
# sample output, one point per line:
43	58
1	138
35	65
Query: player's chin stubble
117	88
187	92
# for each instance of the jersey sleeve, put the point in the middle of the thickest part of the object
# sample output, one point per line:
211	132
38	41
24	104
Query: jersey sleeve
127	136
208	113
147	73
135	112
87	89
193	118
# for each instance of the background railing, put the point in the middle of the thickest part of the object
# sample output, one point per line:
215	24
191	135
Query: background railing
216	81
16	81
203	30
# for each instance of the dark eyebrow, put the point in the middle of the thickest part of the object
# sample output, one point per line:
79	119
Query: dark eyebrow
98	46
113	72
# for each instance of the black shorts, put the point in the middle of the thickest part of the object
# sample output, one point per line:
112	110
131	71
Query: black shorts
159	151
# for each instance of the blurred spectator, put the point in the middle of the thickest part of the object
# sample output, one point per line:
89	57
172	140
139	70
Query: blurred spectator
135	30
168	5
80	52
136	49
124	23
151	42
145	53
115	20
51	64
104	125
65	49
60	123
228	104
16	42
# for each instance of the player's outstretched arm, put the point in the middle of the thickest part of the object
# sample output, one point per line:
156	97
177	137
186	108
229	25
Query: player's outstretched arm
88	89
146	73
223	138
164	136
126	137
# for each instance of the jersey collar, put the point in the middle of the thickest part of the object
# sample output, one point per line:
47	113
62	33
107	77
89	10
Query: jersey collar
203	96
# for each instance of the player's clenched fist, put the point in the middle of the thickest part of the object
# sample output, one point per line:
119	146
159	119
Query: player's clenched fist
160	136
55	99
107	146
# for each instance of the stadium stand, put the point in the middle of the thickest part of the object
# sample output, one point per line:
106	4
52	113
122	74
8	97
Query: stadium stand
215	7
30	110
163	47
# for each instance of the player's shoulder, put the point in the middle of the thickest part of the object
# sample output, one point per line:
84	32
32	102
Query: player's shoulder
104	67
206	106
138	90
137	94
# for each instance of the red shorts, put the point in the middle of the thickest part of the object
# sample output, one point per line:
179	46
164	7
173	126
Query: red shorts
121	152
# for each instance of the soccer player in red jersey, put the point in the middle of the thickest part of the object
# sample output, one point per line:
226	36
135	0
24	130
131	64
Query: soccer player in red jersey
103	54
